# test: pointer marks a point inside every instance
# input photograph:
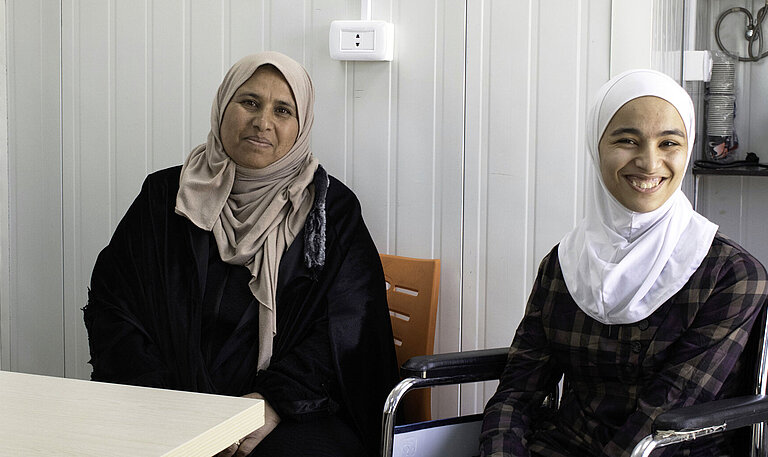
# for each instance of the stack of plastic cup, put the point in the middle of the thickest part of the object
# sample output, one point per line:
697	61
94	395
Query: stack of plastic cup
721	140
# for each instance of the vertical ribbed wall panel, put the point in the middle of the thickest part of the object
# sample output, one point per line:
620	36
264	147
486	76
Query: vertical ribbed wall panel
666	48
34	310
531	70
467	147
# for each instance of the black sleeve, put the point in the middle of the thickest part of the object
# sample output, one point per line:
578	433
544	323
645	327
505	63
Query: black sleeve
122	350
360	329
301	383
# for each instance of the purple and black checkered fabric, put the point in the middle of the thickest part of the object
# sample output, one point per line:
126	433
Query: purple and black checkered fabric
620	377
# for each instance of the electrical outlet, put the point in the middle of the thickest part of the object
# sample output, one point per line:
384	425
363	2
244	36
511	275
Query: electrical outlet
361	40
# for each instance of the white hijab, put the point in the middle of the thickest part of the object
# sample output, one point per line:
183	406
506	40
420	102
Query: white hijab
620	265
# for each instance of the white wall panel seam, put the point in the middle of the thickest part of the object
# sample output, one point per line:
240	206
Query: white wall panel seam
348	121
149	56
67	283
71	167
79	209
578	108
392	144
434	239
5	257
13	203
391	242
226	30
307	22
532	143
464	195
582	159
309	11
481	297
61	199
187	76
112	110
683	36
267	24
392	175
68	171
11	362
62	312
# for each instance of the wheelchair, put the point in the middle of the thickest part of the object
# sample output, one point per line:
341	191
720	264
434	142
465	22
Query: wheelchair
747	413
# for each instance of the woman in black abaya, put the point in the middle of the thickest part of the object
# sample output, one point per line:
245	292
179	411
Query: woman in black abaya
249	271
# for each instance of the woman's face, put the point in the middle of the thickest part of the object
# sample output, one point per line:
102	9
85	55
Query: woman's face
643	153
260	123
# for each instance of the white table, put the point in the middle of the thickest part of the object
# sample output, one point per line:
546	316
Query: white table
48	416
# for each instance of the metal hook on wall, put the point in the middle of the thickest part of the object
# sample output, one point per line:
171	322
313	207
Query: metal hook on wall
752	34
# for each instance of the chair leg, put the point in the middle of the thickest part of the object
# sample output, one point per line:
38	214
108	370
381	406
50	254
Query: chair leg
758	448
390	410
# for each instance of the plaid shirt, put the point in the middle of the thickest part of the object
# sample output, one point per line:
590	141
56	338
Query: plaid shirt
620	377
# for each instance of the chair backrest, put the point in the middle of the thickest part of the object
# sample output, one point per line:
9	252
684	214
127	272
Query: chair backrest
412	292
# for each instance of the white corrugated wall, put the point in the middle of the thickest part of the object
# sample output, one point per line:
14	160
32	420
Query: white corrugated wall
467	147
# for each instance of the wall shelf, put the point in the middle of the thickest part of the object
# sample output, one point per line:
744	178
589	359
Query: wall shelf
734	171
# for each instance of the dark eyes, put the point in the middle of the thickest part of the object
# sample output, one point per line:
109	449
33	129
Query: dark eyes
632	141
280	110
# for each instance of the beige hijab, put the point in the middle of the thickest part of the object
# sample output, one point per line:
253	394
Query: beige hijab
254	214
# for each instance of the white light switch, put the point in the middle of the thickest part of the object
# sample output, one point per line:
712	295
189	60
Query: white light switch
361	40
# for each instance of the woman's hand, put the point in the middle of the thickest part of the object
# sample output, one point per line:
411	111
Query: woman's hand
247	444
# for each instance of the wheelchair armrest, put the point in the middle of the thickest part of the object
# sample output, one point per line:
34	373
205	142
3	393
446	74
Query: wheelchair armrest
731	412
436	370
468	366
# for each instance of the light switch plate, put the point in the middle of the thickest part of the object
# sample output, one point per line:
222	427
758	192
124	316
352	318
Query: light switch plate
362	40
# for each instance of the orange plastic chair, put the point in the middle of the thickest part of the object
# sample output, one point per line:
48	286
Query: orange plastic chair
412	290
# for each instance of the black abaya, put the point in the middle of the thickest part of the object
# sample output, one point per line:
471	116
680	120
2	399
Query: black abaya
159	283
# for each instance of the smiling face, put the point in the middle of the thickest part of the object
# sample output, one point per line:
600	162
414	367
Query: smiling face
643	153
260	123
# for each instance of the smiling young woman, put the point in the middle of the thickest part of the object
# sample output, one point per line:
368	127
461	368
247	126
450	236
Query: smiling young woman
643	307
643	153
